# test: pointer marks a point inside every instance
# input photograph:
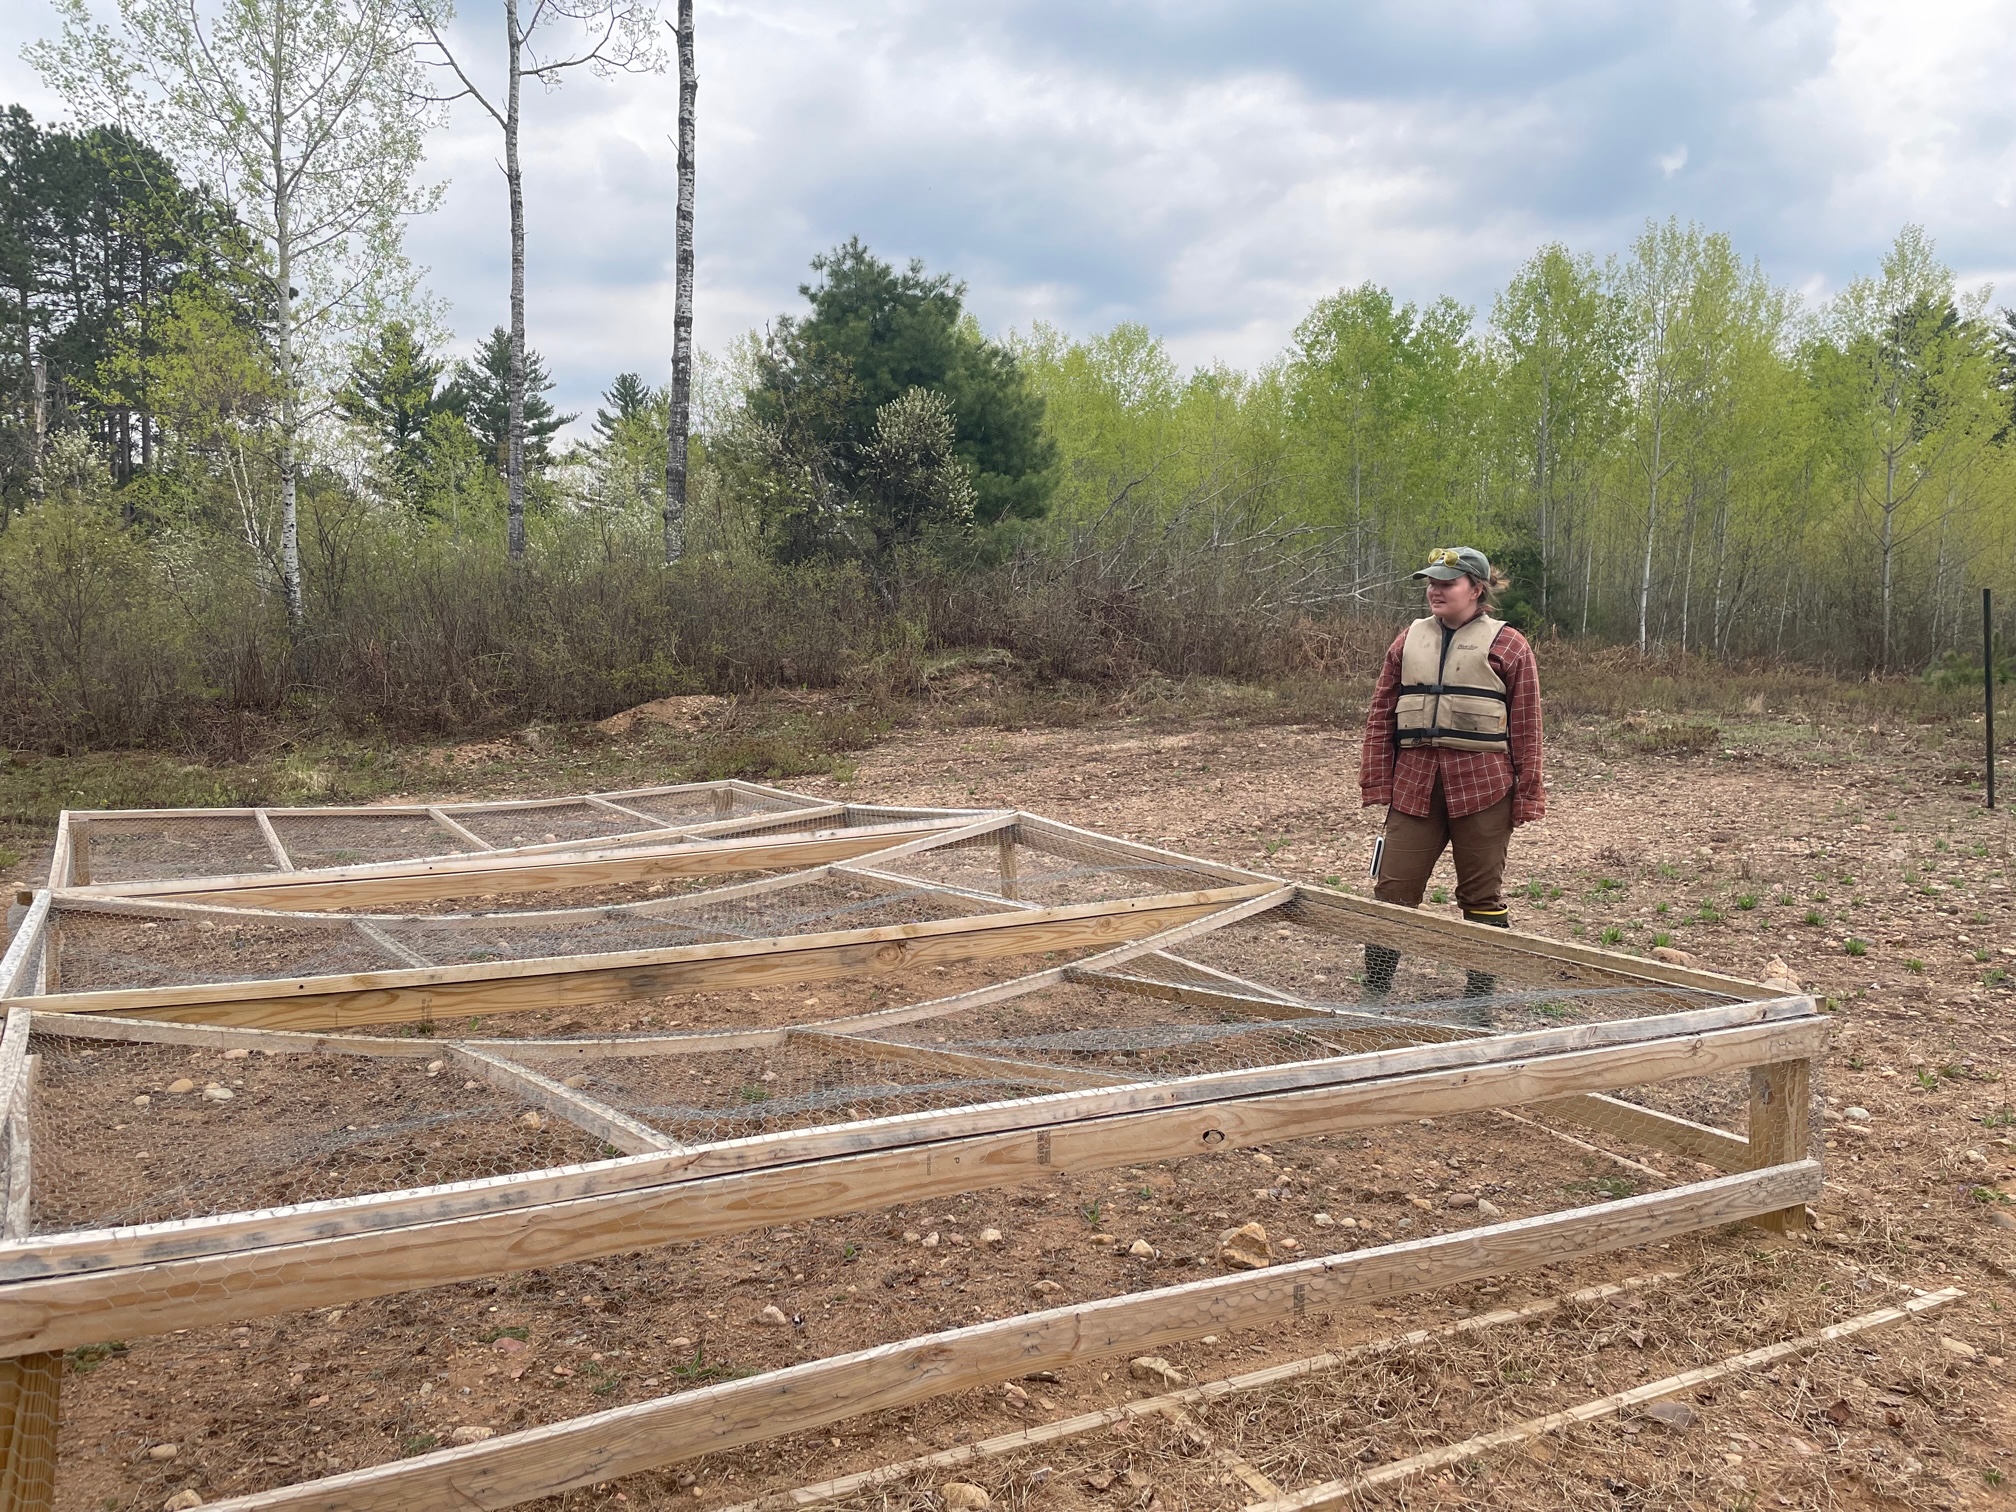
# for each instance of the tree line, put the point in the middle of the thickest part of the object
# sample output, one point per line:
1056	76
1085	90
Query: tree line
238	472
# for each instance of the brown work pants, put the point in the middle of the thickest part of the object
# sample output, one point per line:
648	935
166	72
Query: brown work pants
1414	845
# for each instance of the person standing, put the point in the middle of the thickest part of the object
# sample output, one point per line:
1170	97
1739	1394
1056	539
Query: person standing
1452	748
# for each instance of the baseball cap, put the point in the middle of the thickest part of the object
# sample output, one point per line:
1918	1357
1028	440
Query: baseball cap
1451	562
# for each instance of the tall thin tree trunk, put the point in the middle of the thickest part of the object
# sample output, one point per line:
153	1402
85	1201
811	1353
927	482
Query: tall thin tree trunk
1889	546
1651	525
679	418
290	409
514	180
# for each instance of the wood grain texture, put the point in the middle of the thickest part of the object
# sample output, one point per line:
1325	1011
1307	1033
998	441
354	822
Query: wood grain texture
1657	1130
1781	1100
24	947
66	1310
535	869
150	1244
547	1461
389	997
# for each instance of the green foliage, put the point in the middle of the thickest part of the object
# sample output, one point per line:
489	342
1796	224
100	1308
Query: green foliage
480	394
823	380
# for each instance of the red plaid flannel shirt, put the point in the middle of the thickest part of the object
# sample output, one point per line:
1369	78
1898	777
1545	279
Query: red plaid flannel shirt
1471	780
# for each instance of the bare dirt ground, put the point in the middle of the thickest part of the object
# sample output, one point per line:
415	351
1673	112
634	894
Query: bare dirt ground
1840	852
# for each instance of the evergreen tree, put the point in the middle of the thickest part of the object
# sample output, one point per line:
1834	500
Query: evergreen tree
628	397
481	395
874	334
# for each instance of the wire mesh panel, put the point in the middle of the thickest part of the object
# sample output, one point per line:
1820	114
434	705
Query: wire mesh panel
97	950
315	840
678	806
1036	870
704	1098
146	850
140	1133
1135	1036
103	949
545	824
1413	979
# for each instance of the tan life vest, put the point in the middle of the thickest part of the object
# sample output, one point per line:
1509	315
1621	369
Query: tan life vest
1450	695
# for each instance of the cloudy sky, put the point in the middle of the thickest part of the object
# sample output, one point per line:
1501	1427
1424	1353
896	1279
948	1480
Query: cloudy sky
1211	169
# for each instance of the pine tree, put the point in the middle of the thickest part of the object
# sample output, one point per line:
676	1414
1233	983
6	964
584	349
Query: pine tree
481	395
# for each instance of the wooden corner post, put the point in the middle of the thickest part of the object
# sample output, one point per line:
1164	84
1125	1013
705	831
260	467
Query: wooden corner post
1781	1129
29	1384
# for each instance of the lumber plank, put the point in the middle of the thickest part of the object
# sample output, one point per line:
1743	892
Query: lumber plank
30	1385
498	871
1654	1129
896	883
59	855
1343	1493
387	997
1035	829
66	1310
961	1061
461	832
1486	946
271	1041
272	838
333	1218
549	1460
649	820
1255	1380
78	870
24	948
18	1220
1781	1096
1055	976
1235	983
607	1124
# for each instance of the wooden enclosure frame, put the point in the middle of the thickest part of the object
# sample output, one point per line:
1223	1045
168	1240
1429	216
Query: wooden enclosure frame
62	1290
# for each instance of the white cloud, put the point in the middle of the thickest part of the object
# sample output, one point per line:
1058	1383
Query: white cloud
1212	168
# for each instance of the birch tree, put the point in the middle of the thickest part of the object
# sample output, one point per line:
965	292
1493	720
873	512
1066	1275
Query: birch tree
679	420
1909	376
1558	327
604	36
1654	285
307	116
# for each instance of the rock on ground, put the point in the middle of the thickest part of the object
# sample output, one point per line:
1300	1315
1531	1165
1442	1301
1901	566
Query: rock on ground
1245	1247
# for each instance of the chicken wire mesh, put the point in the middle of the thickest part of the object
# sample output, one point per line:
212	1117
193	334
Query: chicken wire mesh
552	1344
314	840
1024	865
1374	968
101	948
1136	1037
111	848
127	1133
702	1098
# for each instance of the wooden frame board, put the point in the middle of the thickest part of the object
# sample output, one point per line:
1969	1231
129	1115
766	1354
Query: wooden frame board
502	1472
62	1290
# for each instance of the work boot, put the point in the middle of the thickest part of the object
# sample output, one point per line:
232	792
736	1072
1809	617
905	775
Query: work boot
1381	962
1483	984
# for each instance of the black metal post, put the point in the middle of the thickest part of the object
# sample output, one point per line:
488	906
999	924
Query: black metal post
1988	680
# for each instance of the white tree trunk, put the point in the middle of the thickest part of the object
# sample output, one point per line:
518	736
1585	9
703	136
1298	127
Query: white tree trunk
514	179
678	422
